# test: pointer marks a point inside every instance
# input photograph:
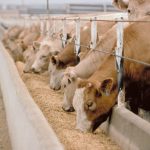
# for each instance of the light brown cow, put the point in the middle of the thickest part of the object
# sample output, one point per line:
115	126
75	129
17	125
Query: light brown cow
47	48
68	58
135	8
29	57
94	59
11	35
96	96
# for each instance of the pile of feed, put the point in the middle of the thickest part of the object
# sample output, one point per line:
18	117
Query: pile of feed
63	123
4	135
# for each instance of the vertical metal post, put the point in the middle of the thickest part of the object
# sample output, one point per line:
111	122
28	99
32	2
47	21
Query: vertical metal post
64	37
77	37
47	6
119	64
93	33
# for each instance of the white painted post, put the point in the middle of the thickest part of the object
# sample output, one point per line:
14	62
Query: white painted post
54	26
93	33
119	50
42	27
47	28
64	37
77	37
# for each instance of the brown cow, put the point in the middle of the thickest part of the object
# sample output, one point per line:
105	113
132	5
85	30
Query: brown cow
96	96
68	58
93	59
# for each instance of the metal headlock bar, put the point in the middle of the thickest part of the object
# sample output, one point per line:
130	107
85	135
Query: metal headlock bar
64	37
77	37
93	33
47	28
120	44
119	63
54	26
43	27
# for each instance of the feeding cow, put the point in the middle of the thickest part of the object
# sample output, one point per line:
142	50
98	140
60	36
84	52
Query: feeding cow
50	46
93	59
68	57
96	96
135	8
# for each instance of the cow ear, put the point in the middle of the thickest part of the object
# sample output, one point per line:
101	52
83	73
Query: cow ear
61	35
81	83
54	60
121	4
68	36
36	45
106	86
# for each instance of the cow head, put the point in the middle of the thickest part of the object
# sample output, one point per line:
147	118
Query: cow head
93	103
60	62
42	58
68	84
57	69
138	8
135	8
29	57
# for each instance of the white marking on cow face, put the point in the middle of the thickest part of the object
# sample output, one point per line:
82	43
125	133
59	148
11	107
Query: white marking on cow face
82	123
56	76
41	59
29	57
69	87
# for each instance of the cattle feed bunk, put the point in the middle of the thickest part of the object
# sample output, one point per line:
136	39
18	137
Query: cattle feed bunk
127	129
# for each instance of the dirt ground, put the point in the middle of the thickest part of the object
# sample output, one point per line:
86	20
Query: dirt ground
4	136
63	123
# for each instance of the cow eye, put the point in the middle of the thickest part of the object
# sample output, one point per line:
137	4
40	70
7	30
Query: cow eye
129	11
69	81
43	57
97	93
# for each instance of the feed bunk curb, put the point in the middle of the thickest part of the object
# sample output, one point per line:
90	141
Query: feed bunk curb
128	130
27	126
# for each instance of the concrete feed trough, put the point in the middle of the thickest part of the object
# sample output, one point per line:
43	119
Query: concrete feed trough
27	126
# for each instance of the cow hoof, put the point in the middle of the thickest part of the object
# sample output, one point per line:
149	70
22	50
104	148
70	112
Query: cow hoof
71	109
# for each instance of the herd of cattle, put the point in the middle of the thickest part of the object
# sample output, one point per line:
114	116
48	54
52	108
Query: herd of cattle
89	80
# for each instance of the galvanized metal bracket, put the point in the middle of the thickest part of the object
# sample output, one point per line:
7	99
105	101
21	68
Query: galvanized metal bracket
47	28
77	37
42	27
64	36
119	48
93	33
119	63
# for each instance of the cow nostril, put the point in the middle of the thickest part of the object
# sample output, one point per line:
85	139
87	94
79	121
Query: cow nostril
33	69
71	109
89	103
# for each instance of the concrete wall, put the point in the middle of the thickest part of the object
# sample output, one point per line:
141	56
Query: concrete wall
28	127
